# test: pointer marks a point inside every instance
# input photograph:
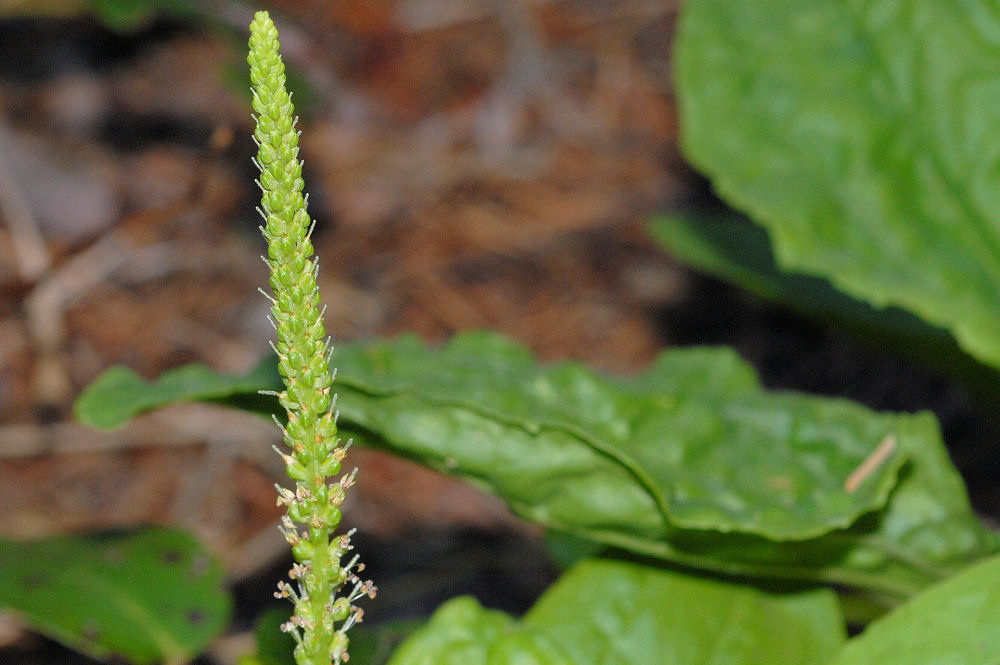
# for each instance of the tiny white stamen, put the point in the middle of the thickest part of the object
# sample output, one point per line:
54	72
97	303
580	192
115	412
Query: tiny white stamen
267	295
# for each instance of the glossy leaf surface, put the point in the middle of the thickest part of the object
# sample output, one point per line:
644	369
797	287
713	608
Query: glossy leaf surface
690	461
150	596
956	621
730	247
119	393
691	434
619	613
862	134
462	632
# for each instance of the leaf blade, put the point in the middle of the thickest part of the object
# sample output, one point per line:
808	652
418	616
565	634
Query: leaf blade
964	612
98	594
619	613
730	247
605	612
650	464
866	169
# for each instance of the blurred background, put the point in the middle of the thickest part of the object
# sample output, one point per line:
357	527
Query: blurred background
470	164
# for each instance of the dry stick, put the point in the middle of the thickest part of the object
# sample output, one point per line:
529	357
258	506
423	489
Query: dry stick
30	252
46	305
868	466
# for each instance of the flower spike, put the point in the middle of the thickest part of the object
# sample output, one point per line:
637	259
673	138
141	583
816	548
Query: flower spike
313	449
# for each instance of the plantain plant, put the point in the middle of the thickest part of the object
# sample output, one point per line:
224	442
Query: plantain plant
322	612
724	523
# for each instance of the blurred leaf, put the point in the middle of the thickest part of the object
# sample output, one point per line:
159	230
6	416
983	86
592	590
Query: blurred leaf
124	15
374	645
567	549
690	461
864	138
118	15
60	8
462	632
617	613
274	647
127	15
956	621
620	613
151	596
119	393
730	247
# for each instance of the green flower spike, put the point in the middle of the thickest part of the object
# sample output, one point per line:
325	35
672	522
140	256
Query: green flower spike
321	616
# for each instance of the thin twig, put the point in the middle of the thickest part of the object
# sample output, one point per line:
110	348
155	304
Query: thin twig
874	460
30	252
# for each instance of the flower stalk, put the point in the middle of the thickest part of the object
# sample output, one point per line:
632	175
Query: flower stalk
313	455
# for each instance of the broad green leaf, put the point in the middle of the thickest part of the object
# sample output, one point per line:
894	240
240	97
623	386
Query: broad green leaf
620	613
617	613
375	645
689	434
956	621
274	647
118	15
566	549
152	596
730	247
119	394
462	632
690	461
862	134
129	15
